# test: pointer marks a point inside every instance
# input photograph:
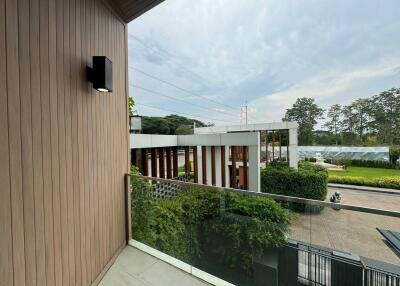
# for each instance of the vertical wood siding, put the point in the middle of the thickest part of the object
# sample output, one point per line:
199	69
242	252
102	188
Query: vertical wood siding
63	146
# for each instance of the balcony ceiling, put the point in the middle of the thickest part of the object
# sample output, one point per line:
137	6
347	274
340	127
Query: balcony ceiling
131	9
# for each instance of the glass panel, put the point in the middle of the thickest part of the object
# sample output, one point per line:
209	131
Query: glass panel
256	240
158	217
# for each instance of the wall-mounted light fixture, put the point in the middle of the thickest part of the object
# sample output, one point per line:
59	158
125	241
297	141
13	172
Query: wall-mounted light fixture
135	122
101	74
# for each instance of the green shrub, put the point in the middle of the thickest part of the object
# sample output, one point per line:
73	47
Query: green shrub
381	182
374	164
159	224
309	181
244	230
394	154
344	162
206	225
363	163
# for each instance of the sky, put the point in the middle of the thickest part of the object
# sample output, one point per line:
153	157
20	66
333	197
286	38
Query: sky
208	58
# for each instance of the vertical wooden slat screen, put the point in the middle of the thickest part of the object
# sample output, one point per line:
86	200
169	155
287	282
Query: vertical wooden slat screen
63	146
245	168
287	146
213	167
223	168
145	162
169	163
161	162
154	168
175	161
195	164
233	174
273	145
187	160
204	164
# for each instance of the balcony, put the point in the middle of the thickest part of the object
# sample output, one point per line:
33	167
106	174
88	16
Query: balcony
137	268
233	237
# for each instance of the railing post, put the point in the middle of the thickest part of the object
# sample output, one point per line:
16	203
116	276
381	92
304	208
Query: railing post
128	214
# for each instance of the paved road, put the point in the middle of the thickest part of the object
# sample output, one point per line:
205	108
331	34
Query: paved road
351	231
367	199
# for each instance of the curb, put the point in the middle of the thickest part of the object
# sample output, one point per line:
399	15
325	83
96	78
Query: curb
365	188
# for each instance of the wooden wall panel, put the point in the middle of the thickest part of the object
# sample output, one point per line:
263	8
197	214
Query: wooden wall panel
6	257
63	146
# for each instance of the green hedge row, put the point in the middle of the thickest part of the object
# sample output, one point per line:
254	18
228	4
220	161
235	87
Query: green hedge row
310	181
382	182
363	163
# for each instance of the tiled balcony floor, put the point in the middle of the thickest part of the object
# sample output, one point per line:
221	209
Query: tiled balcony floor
136	268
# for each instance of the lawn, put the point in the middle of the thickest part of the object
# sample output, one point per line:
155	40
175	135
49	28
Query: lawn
368	173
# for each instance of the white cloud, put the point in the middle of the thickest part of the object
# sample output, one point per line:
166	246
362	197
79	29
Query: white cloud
331	85
265	52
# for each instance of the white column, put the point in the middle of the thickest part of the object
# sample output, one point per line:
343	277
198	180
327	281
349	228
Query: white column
200	164
208	156
254	168
293	157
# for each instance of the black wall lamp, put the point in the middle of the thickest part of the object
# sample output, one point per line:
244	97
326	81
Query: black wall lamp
101	74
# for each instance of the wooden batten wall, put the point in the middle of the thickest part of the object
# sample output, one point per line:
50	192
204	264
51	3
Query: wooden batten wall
63	146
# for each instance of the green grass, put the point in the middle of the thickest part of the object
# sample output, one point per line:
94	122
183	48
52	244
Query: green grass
367	173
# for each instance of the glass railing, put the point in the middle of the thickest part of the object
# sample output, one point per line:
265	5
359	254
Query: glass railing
249	238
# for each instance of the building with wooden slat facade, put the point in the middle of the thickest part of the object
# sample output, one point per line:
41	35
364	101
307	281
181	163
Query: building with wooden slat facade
63	145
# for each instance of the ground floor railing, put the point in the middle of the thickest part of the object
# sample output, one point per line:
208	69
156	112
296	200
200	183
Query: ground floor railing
250	238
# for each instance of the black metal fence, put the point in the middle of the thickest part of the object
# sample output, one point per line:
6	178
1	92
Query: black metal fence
324	267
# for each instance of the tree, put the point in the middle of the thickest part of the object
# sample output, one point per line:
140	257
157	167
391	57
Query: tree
131	104
306	113
333	124
168	124
184	130
385	116
361	109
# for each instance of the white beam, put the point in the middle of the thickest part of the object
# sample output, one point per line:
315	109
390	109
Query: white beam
246	128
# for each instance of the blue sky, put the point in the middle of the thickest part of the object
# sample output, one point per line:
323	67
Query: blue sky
216	55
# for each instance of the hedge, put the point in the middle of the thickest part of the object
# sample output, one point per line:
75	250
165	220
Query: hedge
310	181
381	182
363	163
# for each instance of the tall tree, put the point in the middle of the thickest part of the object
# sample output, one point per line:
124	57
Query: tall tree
306	113
361	110
385	116
349	126
333	123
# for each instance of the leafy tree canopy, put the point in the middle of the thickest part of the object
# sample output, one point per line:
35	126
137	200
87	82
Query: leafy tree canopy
306	113
171	124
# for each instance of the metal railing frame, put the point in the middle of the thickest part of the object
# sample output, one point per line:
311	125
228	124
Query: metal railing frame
366	270
335	206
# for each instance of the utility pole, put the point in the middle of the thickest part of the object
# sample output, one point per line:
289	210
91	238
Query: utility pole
243	115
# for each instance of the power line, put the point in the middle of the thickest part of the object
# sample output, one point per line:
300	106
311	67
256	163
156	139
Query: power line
178	99
170	57
182	113
182	89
